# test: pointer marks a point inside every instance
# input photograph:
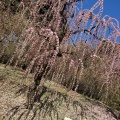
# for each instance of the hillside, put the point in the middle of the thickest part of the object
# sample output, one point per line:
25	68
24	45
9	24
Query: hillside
63	104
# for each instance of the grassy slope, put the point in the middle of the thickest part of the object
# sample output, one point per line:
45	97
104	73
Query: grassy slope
12	80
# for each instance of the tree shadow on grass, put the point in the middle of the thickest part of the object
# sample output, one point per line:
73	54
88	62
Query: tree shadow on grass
42	103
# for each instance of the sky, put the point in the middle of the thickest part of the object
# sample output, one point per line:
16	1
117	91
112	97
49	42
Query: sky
111	7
